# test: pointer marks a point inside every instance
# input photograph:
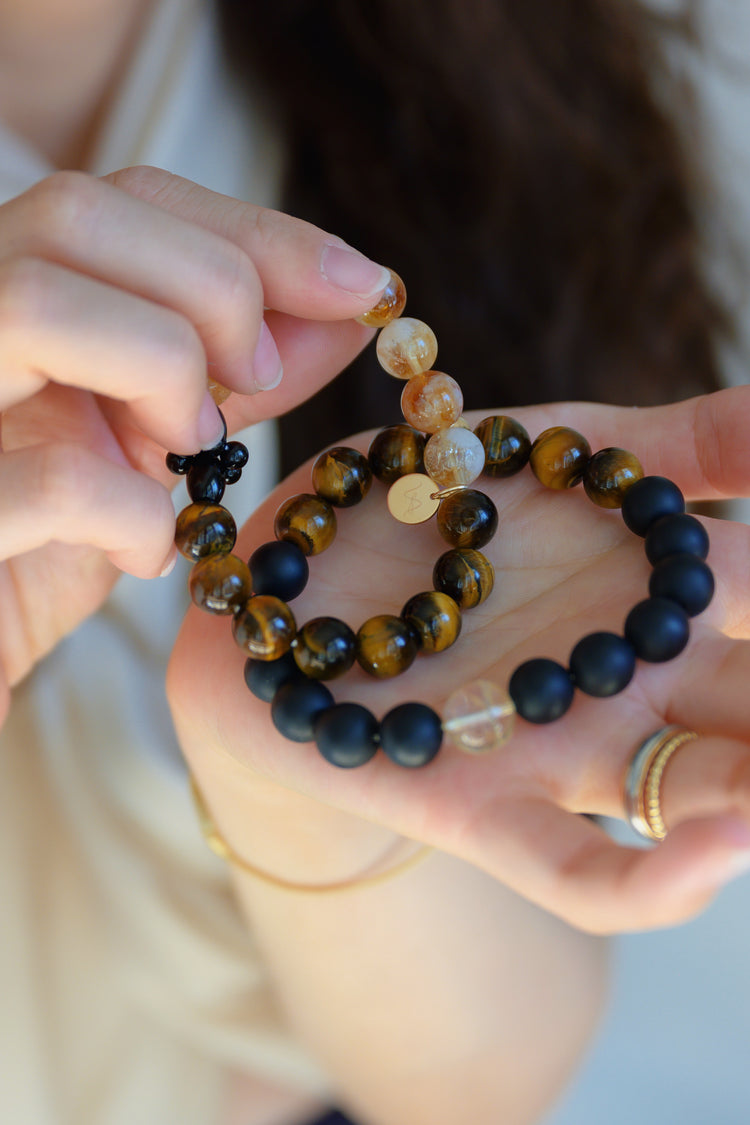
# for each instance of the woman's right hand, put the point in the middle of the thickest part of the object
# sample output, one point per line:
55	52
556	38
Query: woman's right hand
117	297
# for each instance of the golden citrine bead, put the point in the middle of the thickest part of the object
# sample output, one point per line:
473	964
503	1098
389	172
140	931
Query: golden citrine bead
390	305
406	347
218	392
559	457
431	401
478	717
608	476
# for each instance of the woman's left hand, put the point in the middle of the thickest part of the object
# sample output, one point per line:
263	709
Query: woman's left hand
563	568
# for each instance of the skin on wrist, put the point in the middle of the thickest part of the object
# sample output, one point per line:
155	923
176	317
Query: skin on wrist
289	835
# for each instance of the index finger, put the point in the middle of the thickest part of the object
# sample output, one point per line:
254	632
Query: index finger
304	271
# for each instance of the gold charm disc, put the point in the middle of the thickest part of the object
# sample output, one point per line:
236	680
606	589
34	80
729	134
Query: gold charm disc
411	498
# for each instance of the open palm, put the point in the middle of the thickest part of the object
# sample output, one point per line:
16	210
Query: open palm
564	568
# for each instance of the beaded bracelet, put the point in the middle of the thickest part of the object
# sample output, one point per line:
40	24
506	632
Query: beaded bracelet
286	666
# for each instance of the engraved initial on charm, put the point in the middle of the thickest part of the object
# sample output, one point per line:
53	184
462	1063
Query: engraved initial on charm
411	499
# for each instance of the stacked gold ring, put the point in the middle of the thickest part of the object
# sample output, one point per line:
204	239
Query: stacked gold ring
644	777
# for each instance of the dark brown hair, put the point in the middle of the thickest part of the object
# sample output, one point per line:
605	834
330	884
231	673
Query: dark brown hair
512	162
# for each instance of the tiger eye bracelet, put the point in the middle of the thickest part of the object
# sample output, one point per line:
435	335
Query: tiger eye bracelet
429	463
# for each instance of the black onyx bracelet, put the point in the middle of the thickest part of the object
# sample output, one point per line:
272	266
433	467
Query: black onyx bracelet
286	665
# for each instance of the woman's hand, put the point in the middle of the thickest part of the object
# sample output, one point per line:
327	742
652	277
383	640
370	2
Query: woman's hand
564	568
117	297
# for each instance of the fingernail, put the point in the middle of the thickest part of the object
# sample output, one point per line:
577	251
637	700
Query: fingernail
349	270
170	563
267	368
210	425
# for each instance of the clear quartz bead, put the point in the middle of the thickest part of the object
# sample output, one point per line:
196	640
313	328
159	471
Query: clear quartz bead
478	717
406	347
454	456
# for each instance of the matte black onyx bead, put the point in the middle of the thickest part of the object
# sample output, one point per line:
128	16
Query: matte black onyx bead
341	476
648	500
265	677
280	568
347	735
295	707
684	579
679	534
658	629
541	689
205	479
602	664
411	734
467	518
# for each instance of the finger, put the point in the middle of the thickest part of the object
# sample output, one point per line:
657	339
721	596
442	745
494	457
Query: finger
73	496
711	693
62	326
304	270
93	228
700	443
568	865
709	775
311	352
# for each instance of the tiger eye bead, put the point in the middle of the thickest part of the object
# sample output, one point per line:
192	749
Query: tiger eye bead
204	529
608	476
406	347
465	575
264	627
307	521
342	476
507	445
454	457
395	452
431	401
391	304
467	518
435	618
220	583
386	646
324	648
559	457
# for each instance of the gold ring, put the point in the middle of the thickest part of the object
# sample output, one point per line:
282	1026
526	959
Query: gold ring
644	777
